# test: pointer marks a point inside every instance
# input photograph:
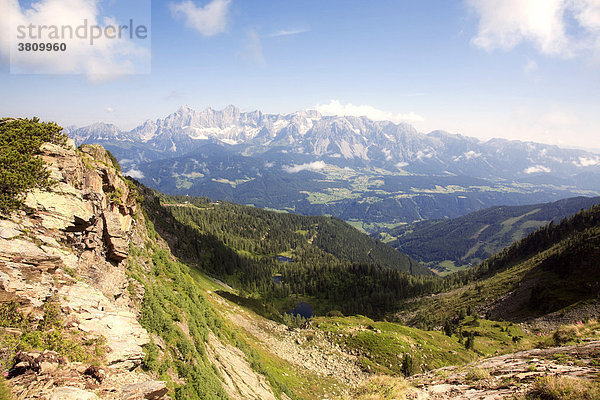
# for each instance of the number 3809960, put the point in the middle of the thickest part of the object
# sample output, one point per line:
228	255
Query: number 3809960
42	46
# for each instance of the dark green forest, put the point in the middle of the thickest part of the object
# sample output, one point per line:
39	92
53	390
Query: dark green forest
268	234
326	259
577	234
239	245
554	269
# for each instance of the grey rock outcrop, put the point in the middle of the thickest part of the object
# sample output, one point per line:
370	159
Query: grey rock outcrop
72	393
150	390
68	246
99	317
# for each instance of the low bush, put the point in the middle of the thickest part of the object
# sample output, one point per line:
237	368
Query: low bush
565	334
382	388
563	388
46	334
477	374
20	169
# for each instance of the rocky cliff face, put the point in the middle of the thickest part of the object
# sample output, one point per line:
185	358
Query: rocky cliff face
67	249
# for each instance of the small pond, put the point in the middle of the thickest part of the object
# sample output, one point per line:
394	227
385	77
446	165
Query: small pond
303	309
283	259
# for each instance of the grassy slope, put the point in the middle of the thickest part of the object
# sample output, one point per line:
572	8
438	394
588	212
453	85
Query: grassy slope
551	270
299	382
453	244
381	346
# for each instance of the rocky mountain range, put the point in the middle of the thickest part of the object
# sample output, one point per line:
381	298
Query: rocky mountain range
370	172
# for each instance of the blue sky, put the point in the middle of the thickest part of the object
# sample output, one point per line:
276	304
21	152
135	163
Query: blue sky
520	69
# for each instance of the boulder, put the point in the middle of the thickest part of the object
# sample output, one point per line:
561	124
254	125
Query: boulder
95	372
22	364
150	390
116	227
99	317
72	393
26	252
9	229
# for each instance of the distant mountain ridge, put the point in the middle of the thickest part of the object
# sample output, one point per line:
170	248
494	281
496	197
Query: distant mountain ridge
302	131
309	132
366	172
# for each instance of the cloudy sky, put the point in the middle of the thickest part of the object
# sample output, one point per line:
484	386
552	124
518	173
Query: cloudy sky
520	69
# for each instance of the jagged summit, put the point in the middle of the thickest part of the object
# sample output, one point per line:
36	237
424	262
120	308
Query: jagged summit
309	132
307	129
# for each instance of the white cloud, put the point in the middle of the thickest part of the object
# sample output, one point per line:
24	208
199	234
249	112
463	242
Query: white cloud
313	166
587	162
106	58
209	20
287	32
556	27
252	50
536	168
469	155
135	173
401	165
419	155
109	109
530	66
336	108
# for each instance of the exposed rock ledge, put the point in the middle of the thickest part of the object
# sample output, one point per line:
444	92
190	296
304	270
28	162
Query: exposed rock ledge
510	375
69	246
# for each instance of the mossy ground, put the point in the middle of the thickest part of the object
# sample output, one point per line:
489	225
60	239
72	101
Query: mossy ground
4	391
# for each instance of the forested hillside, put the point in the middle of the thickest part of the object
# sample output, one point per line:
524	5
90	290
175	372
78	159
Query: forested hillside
450	245
240	245
269	234
555	269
